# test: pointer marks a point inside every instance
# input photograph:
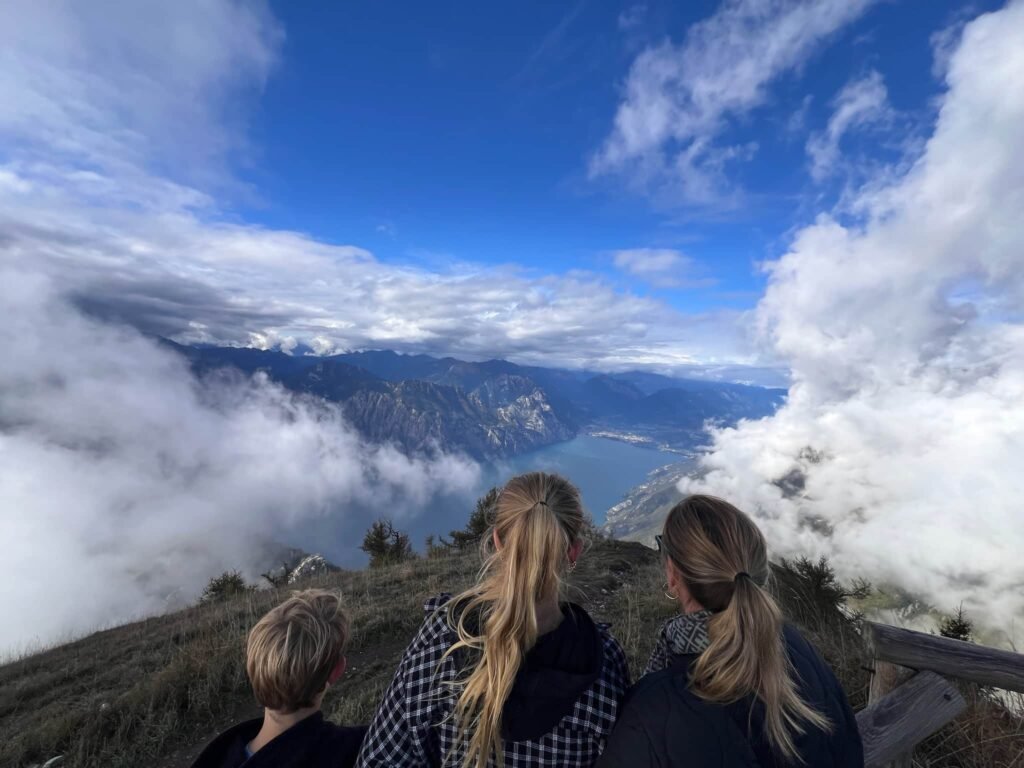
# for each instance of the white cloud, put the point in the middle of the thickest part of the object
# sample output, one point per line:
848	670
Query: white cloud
121	478
662	267
679	98
906	343
192	280
125	484
861	102
106	102
120	86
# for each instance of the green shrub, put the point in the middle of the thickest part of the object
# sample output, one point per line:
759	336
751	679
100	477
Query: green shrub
480	521
386	545
229	584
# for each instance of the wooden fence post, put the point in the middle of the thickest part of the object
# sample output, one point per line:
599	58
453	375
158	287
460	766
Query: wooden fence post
905	707
886	677
914	711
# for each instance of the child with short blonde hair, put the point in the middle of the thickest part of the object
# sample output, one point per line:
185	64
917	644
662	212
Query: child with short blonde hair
293	655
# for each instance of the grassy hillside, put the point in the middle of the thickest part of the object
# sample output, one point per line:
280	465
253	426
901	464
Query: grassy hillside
152	692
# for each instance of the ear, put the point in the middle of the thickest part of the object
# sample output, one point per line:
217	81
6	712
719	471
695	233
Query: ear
338	671
495	539
575	550
672	576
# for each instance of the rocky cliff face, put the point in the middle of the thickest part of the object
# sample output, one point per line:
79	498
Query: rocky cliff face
503	416
495	409
524	418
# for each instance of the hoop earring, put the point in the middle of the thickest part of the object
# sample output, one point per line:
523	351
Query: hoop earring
668	594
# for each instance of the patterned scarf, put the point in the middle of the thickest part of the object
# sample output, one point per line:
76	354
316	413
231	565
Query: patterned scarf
683	634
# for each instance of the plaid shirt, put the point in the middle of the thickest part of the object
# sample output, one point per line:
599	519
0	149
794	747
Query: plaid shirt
414	724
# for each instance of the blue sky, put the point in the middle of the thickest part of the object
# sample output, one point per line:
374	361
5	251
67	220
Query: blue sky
590	189
465	133
580	184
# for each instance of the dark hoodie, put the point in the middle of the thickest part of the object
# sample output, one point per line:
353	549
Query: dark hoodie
560	710
561	666
310	743
664	724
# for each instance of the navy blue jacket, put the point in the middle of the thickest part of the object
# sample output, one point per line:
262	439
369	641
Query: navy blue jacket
310	743
665	724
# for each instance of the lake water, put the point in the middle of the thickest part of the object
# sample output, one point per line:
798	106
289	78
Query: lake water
604	470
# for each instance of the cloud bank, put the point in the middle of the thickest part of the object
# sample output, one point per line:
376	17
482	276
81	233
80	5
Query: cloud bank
124	482
121	136
127	483
899	453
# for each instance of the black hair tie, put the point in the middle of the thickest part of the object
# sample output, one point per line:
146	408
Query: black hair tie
741	574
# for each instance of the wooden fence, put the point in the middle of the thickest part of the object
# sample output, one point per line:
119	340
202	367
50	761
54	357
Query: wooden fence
910	696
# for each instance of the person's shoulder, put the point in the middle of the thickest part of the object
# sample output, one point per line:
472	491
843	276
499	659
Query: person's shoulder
663	697
436	622
802	653
610	645
343	742
435	635
655	686
437	603
816	679
227	750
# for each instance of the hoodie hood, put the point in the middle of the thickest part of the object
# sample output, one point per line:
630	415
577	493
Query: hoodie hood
560	667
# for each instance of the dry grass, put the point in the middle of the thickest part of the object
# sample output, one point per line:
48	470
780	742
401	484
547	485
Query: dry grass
151	692
130	695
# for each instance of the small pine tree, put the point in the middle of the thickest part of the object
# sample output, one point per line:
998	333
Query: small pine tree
479	523
229	584
385	544
957	626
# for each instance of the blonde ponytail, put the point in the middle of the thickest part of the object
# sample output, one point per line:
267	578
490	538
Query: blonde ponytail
722	557
537	519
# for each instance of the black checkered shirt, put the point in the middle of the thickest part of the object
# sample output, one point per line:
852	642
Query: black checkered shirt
414	724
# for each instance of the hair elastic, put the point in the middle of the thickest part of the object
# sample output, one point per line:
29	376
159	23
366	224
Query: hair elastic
741	573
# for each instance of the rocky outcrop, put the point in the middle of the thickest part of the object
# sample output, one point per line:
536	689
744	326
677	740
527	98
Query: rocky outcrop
309	566
640	516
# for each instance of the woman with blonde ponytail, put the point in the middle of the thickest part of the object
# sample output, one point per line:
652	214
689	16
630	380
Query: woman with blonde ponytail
507	673
729	684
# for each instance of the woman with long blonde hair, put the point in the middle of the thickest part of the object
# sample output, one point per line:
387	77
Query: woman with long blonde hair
507	673
729	684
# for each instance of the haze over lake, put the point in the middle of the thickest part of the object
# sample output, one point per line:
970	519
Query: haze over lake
603	469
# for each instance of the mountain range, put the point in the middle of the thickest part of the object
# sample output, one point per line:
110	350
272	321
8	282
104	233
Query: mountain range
495	408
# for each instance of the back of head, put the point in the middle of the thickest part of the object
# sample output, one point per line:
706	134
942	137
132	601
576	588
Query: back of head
293	649
538	517
723	559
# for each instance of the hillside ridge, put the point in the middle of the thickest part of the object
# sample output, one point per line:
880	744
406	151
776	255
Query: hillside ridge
495	409
153	692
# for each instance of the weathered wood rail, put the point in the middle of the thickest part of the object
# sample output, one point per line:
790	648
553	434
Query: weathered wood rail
910	697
